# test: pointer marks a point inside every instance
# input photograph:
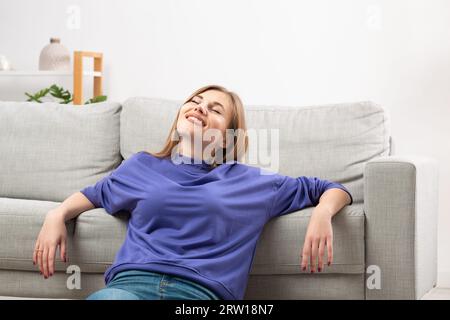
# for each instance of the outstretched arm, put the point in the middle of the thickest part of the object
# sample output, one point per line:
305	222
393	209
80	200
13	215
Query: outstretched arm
320	231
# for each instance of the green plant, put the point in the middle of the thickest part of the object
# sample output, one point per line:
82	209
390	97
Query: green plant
59	93
38	95
96	99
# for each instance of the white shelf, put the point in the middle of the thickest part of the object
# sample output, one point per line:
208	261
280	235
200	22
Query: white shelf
11	73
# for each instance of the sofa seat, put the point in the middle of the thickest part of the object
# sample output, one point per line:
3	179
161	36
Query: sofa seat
281	243
94	237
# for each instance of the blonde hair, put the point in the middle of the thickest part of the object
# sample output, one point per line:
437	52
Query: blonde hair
237	123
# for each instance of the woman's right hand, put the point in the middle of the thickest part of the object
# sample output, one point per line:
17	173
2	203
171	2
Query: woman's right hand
53	234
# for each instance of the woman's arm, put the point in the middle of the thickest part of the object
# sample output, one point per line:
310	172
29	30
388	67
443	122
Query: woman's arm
320	232
53	233
74	205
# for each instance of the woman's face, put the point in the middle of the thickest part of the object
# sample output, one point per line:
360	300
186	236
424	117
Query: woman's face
211	109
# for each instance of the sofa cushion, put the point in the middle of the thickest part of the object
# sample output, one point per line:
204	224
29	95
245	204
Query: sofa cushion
50	150
94	237
307	287
330	141
280	245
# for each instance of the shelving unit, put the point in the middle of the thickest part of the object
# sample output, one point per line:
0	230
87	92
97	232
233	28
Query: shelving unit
77	74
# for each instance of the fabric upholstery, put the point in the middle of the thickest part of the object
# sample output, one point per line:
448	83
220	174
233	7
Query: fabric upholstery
50	150
401	225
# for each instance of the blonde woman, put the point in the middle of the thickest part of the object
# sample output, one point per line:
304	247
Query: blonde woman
195	216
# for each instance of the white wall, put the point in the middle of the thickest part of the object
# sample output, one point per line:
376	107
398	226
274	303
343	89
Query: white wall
396	53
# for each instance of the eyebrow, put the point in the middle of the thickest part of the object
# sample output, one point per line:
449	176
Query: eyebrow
214	103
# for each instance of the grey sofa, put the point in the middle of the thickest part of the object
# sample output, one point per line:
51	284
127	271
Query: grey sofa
384	243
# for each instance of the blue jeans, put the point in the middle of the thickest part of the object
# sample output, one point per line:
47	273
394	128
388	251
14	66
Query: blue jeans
146	285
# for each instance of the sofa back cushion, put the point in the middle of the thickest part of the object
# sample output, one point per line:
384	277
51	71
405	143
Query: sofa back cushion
331	141
50	150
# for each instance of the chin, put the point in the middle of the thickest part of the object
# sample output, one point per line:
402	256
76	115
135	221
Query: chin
187	128
184	130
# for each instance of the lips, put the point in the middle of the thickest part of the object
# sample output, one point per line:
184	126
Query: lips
195	119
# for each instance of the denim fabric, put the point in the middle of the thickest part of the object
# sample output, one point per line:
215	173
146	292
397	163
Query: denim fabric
145	285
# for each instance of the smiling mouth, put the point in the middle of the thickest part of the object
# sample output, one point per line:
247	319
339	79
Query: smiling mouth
195	121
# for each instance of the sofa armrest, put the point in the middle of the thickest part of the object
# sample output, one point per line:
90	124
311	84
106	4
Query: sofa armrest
401	209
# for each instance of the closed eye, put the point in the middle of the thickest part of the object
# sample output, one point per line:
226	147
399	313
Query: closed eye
198	102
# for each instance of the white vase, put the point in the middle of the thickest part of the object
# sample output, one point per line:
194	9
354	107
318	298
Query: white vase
54	56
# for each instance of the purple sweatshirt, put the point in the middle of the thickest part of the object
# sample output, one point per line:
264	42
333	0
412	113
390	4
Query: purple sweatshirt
192	221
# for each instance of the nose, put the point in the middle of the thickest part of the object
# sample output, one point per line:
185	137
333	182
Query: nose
200	107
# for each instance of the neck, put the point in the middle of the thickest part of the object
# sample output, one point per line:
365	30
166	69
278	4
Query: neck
189	150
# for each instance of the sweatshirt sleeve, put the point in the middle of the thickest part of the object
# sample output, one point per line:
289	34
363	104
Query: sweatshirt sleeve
116	191
292	194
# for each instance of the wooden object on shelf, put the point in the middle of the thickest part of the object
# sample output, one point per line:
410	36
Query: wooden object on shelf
78	74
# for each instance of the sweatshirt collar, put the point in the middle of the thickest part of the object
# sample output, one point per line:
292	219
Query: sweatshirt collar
180	159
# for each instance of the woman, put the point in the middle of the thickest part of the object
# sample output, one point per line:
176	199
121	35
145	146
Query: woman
195	216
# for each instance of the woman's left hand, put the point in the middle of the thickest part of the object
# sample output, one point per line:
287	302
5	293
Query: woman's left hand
318	236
